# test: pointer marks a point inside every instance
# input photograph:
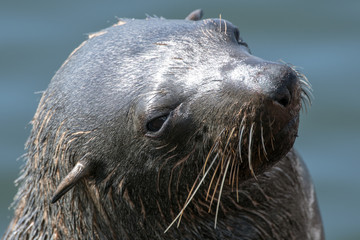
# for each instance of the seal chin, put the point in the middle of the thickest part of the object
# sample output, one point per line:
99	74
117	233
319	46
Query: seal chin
265	145
285	138
291	127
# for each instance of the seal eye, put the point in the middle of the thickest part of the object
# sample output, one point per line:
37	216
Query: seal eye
155	124
238	38
237	35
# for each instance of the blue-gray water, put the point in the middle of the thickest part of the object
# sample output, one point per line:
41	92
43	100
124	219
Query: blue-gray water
321	37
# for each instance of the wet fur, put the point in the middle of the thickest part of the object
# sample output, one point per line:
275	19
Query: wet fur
200	175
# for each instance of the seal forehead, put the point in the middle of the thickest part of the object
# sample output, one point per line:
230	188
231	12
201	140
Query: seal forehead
173	52
189	50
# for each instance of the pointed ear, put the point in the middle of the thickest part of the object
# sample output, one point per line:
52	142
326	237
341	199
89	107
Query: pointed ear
81	170
195	15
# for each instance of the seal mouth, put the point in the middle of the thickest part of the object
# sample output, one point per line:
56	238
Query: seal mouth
239	154
258	135
291	125
260	140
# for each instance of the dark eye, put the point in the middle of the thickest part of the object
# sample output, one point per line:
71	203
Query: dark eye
237	34
155	124
238	38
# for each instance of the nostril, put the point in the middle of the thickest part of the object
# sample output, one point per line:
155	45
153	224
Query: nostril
285	86
284	101
283	97
279	84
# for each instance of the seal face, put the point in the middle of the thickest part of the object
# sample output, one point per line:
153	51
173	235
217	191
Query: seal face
156	121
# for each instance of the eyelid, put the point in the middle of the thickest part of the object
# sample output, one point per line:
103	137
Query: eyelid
159	133
162	118
243	43
169	112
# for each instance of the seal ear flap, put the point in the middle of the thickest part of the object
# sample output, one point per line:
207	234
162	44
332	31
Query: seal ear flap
195	15
81	170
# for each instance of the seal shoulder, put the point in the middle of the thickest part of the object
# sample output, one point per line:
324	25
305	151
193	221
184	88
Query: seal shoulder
291	184
311	208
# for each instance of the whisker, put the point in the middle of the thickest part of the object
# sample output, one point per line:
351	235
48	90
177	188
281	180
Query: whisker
240	140
304	104
233	175
271	135
226	146
263	142
190	192
237	182
307	92
220	163
304	81
250	145
180	162
192	195
214	192
211	181
306	88
214	146
259	153
220	193
231	171
228	140
306	97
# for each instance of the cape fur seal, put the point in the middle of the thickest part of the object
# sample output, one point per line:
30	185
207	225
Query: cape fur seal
167	129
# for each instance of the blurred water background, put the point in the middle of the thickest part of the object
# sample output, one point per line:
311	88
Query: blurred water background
321	37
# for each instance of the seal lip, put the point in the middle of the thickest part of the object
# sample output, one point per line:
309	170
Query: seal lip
289	128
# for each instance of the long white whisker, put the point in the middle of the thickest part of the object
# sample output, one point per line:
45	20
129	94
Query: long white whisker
262	141
192	195
221	188
249	153
240	140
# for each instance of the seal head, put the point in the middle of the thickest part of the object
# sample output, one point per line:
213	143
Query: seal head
198	88
153	121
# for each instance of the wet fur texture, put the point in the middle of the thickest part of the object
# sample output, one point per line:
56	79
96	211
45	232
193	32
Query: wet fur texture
221	167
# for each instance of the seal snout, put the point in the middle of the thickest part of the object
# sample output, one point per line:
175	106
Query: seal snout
286	85
266	122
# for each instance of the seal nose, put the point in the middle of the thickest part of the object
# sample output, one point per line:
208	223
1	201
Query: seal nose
284	88
282	96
